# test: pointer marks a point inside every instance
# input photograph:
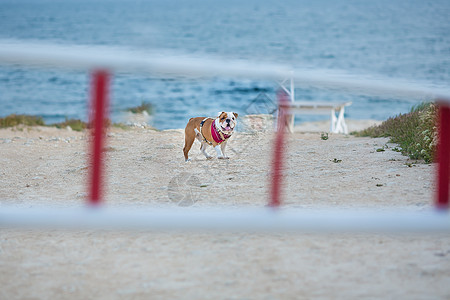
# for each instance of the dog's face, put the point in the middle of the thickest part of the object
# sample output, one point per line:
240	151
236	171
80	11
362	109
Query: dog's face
226	121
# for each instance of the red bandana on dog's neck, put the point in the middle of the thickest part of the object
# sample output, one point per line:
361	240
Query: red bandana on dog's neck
217	137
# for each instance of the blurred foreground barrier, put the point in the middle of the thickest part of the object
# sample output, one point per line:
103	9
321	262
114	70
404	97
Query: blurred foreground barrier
102	61
212	219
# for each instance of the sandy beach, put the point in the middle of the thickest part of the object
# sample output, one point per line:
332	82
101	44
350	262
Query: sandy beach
48	166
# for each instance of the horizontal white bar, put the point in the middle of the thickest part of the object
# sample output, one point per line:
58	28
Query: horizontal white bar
157	63
315	105
235	220
309	112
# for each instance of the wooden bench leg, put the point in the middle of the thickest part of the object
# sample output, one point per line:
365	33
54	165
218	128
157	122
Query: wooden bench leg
290	123
338	124
333	121
342	127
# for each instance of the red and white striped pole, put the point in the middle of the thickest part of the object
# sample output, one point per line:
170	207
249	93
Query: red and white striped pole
98	119
443	157
277	161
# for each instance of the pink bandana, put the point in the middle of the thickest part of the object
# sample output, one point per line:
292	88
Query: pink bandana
216	136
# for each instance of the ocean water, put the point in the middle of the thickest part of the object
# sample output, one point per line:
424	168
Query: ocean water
391	38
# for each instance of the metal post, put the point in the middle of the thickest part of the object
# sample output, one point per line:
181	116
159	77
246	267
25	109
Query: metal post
443	157
291	117
277	163
99	108
292	88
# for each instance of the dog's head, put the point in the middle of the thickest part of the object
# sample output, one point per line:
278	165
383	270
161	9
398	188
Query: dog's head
226	121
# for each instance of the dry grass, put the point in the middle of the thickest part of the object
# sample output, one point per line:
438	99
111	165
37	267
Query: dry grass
75	124
15	120
144	107
415	132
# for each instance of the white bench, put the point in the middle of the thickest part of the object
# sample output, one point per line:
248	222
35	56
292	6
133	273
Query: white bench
337	122
317	108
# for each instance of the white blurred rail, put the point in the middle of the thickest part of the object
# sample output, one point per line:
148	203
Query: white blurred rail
228	220
157	63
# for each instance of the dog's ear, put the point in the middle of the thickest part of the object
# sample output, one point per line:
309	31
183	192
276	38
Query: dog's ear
235	114
219	113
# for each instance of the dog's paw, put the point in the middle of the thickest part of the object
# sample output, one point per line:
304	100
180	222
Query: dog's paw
223	157
209	157
187	160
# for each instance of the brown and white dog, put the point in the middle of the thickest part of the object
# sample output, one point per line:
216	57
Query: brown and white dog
208	131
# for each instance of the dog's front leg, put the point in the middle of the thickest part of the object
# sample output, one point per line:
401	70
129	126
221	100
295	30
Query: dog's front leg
222	147
219	152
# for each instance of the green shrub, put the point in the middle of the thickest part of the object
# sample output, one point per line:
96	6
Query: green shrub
415	132
145	106
75	124
14	120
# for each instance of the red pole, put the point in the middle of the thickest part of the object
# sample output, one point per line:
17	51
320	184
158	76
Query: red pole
277	162
99	108
443	156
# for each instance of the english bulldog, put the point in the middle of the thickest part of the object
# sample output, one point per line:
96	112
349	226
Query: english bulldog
209	131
